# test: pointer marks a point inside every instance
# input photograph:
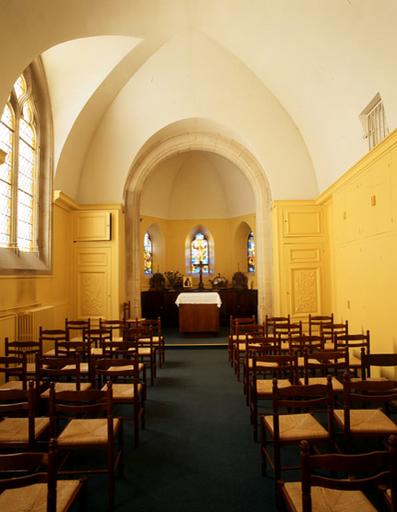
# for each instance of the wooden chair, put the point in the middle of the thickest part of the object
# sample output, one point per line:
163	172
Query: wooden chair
154	325
239	346
86	431
289	429
354	342
264	368
315	322
288	332
14	370
115	326
234	322
128	388
19	427
77	330
299	345
29	482
49	337
377	360
326	362
339	482
146	349
29	348
257	345
272	322
329	330
64	371
365	422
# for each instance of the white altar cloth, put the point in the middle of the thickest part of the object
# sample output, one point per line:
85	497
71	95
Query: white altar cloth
199	298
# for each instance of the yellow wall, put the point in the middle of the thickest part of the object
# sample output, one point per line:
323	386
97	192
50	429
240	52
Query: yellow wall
362	217
22	293
53	297
227	236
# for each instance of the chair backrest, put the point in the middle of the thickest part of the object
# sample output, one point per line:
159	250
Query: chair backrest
49	337
277	365
14	367
303	397
154	324
115	326
52	368
349	472
316	321
29	348
251	329
288	331
329	330
85	403
241	320
125	369
77	328
271	322
126	310
353	341
304	343
263	345
327	361
31	468
378	360
16	402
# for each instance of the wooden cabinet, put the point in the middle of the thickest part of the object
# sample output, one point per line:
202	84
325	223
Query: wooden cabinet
162	303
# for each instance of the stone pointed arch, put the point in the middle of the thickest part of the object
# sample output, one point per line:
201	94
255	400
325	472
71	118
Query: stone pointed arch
245	161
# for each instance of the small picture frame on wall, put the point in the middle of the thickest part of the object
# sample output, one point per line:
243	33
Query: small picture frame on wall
187	282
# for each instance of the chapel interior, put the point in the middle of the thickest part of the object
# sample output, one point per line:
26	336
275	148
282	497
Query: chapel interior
196	142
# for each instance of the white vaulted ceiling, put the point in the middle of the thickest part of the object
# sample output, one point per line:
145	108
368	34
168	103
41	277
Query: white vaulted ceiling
285	79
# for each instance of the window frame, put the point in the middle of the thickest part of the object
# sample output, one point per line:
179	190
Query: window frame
14	261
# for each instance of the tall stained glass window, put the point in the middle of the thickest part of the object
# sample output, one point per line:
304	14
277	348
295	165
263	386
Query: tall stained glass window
147	255
18	174
251	252
199	252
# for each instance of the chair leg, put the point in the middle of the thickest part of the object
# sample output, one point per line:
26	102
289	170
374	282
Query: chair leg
263	450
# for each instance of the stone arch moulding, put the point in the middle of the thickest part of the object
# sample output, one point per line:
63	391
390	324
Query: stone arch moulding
245	161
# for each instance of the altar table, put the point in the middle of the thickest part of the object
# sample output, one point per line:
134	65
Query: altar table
198	312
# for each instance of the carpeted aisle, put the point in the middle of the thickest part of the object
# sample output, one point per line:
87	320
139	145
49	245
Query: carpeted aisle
197	452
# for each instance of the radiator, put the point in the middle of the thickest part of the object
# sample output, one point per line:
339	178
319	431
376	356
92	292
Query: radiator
30	320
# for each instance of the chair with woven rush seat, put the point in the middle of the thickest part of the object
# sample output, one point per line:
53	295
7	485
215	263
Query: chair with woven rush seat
354	342
288	332
19	427
315	322
299	345
124	372
368	422
14	370
326	362
259	345
378	360
239	346
29	481
29	348
272	322
143	337
337	482
64	371
86	431
49	337
330	330
264	368
77	329
234	336
154	325
289	429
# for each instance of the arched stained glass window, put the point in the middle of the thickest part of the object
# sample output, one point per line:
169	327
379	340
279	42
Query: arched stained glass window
147	255
251	252
199	253
18	174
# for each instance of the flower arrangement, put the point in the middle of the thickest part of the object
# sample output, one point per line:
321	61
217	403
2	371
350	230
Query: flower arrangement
175	279
219	282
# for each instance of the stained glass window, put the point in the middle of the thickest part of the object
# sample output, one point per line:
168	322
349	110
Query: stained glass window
251	252
18	139
199	252
147	255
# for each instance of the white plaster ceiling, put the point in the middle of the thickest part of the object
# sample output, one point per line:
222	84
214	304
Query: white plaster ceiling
288	78
197	184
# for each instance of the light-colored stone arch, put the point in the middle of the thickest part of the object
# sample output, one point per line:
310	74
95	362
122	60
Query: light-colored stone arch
245	161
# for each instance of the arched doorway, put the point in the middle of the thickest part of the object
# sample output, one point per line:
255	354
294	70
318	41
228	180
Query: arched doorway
235	153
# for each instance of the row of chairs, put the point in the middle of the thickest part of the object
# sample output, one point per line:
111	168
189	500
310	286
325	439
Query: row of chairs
77	420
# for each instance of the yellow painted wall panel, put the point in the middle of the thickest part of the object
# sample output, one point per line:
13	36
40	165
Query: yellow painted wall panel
303	223
92	225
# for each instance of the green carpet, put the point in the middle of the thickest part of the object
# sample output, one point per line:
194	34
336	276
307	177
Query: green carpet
197	452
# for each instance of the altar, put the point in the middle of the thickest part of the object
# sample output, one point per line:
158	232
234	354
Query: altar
198	312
